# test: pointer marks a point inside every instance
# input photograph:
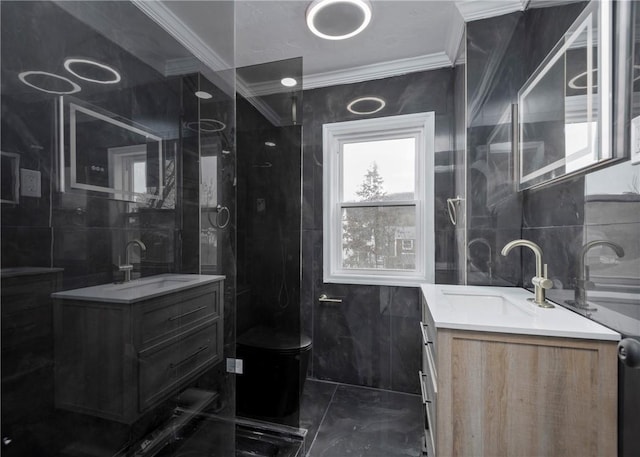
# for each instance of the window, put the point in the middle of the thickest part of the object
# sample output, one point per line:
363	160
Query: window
378	200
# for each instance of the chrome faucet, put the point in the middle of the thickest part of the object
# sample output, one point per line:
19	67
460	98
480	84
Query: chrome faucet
484	243
540	280
128	267
582	275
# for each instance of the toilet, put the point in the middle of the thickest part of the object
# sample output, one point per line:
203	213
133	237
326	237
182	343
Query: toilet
274	370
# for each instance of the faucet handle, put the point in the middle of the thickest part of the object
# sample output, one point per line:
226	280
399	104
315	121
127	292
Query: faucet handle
545	283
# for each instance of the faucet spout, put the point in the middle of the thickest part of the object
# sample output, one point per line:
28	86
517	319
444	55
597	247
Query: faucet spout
582	275
540	280
127	267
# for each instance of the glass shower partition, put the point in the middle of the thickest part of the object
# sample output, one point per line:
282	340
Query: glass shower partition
116	319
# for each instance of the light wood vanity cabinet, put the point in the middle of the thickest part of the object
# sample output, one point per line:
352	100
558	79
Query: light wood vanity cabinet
118	360
501	394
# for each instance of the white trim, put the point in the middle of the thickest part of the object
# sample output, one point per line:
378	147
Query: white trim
454	39
421	126
182	66
377	71
171	23
473	10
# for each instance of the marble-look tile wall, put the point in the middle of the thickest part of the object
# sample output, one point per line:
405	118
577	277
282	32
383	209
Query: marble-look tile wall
562	216
372	338
269	211
501	54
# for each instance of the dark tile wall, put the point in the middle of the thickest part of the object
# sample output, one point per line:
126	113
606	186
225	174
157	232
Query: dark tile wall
501	54
372	338
562	216
269	214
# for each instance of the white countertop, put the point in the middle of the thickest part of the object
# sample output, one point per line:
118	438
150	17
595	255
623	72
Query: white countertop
138	289
479	308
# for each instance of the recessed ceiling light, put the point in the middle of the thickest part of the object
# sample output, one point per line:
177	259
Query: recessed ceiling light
206	125
338	19
288	82
366	105
203	95
88	70
50	86
271	144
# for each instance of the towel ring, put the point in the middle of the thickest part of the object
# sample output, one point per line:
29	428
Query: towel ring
452	204
219	211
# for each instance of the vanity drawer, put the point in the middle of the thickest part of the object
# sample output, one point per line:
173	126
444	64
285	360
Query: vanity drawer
430	333
164	367
429	399
177	311
428	340
23	327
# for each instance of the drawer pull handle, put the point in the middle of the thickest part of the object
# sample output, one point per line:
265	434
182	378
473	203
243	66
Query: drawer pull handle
189	357
425	398
180	316
423	330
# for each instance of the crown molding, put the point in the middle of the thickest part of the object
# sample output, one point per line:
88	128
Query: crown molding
182	66
263	108
473	10
165	18
454	39
377	71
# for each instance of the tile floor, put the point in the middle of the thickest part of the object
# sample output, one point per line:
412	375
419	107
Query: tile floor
344	421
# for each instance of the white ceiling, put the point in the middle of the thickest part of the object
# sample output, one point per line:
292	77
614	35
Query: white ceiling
403	36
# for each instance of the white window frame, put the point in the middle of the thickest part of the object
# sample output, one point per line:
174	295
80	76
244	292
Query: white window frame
420	126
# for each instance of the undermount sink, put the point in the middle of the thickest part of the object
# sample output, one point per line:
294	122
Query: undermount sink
506	310
484	304
152	283
138	289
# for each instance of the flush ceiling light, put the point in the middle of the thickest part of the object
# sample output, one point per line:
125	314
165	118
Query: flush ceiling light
366	105
203	95
575	84
89	70
48	82
271	144
206	125
288	82
338	19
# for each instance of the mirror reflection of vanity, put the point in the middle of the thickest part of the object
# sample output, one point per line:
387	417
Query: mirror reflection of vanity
565	108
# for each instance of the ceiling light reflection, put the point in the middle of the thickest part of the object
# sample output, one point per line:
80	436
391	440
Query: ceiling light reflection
69	63
26	74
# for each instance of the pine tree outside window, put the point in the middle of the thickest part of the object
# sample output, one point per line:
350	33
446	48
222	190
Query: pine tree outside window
378	200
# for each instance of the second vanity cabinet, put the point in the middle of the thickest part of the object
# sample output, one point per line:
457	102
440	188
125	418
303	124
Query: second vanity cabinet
489	393
118	360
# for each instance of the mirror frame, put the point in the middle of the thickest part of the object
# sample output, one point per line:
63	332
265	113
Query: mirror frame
602	150
118	194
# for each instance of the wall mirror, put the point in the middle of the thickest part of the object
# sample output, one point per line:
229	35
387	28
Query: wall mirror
564	109
113	155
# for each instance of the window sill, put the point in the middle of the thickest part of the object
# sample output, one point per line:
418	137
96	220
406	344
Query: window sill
377	280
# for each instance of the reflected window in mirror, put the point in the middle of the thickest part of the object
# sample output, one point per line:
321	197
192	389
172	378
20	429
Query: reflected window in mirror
106	153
